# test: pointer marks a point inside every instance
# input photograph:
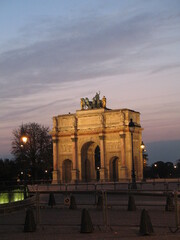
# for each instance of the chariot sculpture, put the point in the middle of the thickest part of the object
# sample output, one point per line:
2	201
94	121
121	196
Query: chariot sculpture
95	103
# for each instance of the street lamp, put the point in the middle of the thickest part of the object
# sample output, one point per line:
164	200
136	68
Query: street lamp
143	150
131	129
45	175
24	140
143	157
142	146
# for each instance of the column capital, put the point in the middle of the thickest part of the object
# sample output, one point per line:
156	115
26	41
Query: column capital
55	140
74	138
101	136
122	135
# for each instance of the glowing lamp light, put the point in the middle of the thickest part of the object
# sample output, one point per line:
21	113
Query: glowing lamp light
24	139
142	146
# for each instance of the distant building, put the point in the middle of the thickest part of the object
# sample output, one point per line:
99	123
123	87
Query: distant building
95	144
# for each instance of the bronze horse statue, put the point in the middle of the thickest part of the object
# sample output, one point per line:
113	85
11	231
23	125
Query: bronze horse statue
95	103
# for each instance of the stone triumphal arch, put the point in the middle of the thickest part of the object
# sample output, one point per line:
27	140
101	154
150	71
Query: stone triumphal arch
95	144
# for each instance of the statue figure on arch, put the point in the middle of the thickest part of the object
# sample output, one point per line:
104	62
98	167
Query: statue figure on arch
95	103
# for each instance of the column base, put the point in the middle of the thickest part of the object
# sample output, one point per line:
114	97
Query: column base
75	175
123	173
103	174
56	177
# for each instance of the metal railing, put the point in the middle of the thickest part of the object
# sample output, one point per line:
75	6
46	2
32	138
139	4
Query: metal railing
14	206
108	186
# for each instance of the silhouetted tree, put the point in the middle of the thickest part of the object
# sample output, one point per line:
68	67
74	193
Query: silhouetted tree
177	168
8	170
35	155
169	169
163	170
159	169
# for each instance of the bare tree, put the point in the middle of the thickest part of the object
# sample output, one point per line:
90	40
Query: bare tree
36	154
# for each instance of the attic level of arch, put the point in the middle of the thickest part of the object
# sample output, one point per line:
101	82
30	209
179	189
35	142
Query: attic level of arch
88	120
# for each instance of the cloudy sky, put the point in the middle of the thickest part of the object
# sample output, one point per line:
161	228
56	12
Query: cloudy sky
54	52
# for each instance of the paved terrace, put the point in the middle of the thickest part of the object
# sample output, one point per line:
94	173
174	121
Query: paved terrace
114	222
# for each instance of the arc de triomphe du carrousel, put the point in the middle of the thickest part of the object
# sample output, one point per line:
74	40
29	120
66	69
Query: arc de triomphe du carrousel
96	144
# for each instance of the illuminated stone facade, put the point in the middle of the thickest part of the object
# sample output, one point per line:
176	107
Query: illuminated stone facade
95	145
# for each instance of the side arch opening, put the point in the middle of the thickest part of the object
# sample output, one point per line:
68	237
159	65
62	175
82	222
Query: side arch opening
114	174
66	171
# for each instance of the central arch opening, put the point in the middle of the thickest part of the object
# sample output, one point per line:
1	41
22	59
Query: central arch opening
90	162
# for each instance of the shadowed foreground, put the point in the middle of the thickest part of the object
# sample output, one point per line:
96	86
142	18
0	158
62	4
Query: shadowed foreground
64	223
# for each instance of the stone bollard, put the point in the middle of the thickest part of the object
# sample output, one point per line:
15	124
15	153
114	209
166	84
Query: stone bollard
131	204
86	223
146	227
51	201
29	225
169	203
72	203
100	202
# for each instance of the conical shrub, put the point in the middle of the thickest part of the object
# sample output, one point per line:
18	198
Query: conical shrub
169	203
131	203
51	201
86	223
146	227
29	225
100	202
72	203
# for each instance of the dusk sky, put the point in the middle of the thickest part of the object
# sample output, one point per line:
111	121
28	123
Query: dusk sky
54	52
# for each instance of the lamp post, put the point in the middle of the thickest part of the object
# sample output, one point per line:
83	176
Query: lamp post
133	175
46	175
24	140
143	149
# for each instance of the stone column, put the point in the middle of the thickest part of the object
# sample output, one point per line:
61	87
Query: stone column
123	154
56	173
123	168
102	153
75	171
